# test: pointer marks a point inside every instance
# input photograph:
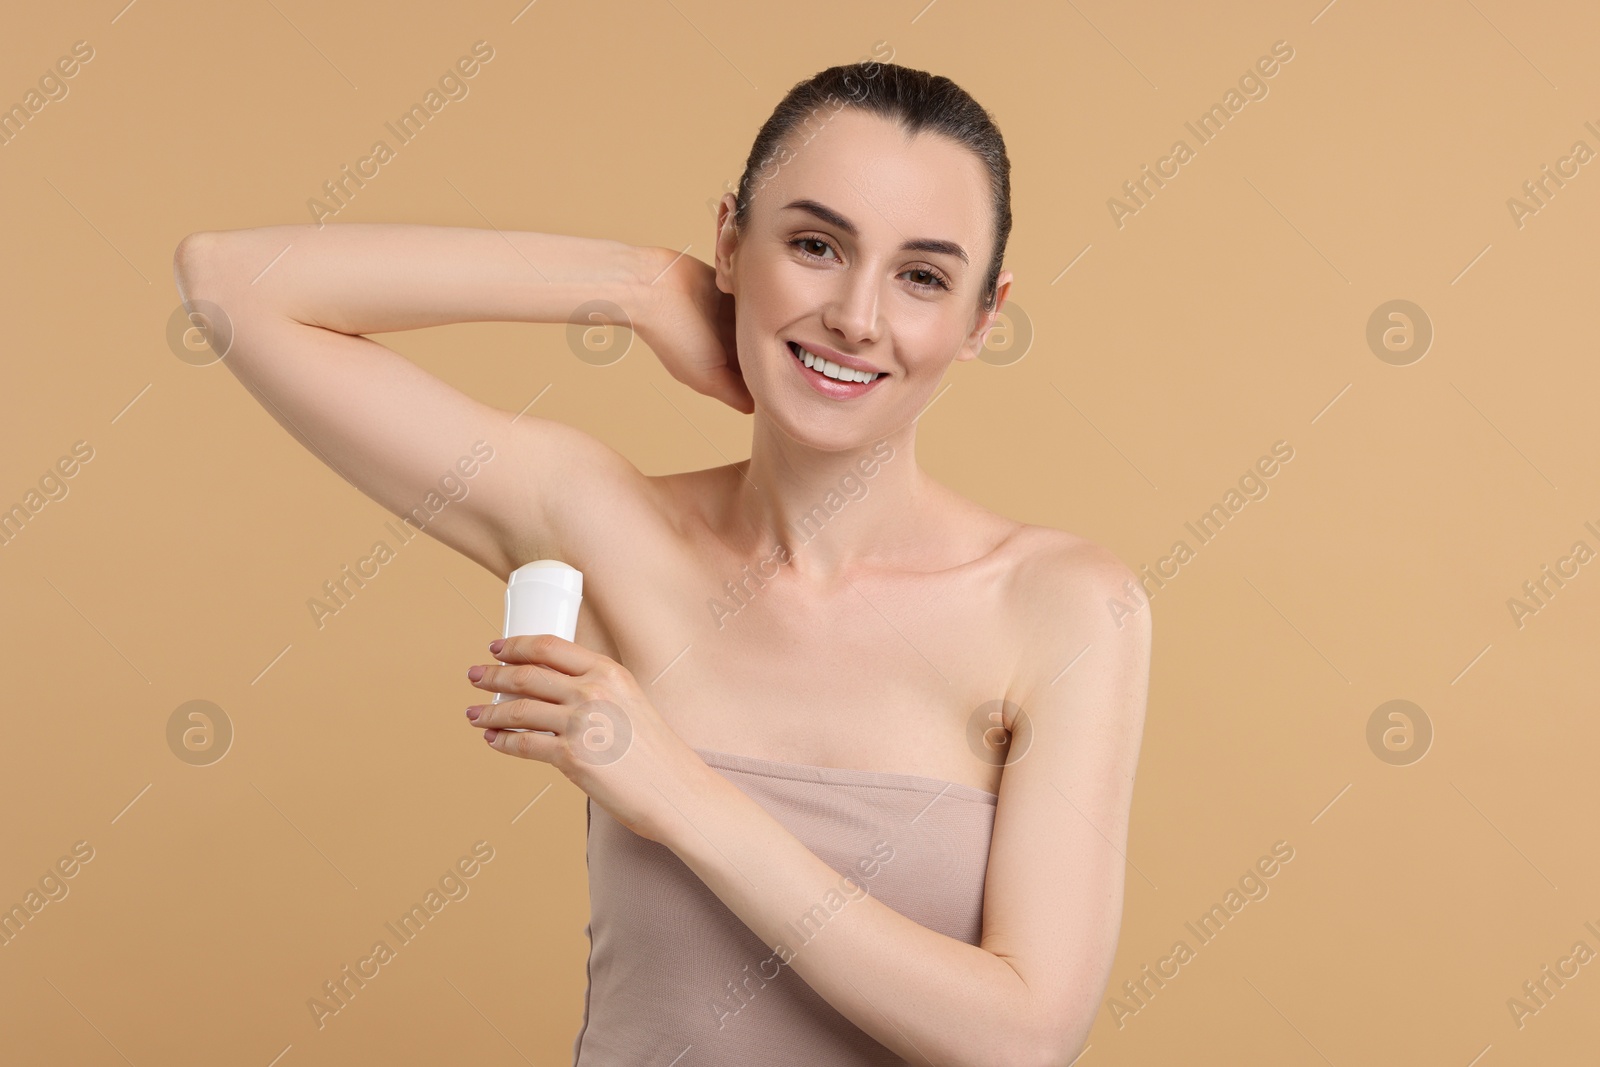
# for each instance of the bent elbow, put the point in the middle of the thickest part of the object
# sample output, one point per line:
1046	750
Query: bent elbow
1058	1045
194	260
1065	1048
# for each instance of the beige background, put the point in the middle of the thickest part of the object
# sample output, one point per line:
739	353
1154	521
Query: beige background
1228	314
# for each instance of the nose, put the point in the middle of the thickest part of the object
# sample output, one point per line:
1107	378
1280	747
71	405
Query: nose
852	313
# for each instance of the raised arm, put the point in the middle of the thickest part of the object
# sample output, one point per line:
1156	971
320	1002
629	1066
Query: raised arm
298	299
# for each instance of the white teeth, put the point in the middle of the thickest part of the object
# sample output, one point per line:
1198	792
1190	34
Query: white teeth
833	370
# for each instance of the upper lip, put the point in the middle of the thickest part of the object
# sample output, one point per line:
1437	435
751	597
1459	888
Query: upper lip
838	357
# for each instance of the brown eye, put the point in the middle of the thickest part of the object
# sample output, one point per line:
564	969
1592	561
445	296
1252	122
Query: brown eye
938	280
802	241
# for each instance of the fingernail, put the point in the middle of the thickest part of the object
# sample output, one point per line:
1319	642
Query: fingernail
472	713
496	646
488	735
475	673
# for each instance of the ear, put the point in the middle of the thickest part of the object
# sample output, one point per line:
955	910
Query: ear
726	242
985	319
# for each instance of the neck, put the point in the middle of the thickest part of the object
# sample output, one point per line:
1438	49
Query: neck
834	511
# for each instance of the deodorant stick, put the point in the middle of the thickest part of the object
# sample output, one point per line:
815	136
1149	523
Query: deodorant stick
542	597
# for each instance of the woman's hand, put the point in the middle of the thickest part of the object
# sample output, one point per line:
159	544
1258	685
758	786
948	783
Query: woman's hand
688	323
601	731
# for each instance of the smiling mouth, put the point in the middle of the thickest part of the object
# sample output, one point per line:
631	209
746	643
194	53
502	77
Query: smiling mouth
818	365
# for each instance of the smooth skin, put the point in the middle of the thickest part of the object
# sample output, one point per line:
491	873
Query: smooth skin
904	614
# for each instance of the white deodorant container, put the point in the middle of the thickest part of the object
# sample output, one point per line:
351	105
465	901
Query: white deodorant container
542	597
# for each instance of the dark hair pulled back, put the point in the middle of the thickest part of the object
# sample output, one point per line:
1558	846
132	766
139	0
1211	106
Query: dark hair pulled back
916	100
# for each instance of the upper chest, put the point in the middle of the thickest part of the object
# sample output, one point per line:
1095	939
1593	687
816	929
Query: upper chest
885	671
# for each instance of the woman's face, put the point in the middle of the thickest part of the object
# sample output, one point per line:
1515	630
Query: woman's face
867	245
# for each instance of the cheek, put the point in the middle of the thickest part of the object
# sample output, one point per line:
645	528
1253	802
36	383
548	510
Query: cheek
759	347
773	302
928	340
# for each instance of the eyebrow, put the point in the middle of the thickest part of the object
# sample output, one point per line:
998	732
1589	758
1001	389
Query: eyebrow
839	222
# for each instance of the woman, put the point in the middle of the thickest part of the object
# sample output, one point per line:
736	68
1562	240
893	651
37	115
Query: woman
866	749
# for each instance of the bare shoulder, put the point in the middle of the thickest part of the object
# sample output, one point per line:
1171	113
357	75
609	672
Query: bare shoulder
1070	597
1065	571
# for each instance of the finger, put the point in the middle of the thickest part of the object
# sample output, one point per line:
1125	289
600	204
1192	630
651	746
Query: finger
520	680
520	714
550	650
541	747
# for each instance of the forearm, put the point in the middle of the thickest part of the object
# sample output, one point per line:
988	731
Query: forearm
928	997
361	278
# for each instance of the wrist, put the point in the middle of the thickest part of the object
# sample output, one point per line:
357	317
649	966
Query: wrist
694	811
646	267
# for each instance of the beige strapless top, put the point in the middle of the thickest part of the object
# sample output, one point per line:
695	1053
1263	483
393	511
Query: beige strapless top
675	979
